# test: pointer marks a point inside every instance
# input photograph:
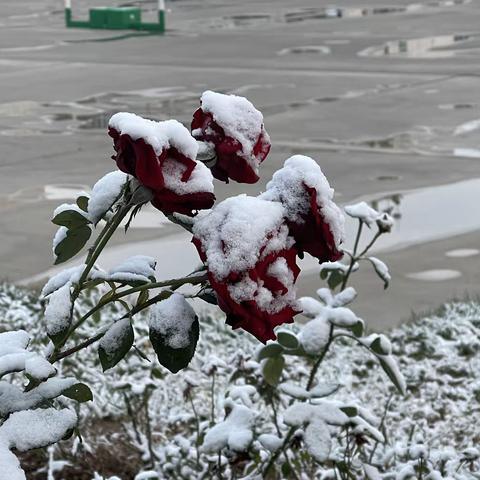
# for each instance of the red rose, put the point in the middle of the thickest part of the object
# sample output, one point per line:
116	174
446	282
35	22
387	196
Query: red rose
233	127
315	221
161	156
251	263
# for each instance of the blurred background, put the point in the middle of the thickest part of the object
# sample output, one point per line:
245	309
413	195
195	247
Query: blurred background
383	95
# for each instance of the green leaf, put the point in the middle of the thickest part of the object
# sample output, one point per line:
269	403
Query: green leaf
335	279
323	274
79	392
376	347
350	411
270	350
70	219
82	203
357	329
73	242
392	374
287	339
59	338
272	370
175	359
123	340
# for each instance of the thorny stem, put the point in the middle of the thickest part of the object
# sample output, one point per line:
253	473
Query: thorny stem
212	393
380	427
92	256
311	379
197	428
132	416
275	416
138	308
315	367
175	282
153	457
99	245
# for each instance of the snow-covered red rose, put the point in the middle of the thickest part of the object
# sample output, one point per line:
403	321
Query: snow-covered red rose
234	129
162	156
251	263
314	220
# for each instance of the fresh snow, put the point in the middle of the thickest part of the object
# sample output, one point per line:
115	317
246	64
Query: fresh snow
71	275
57	312
104	194
173	319
238	118
235	432
235	230
114	336
31	429
201	179
363	212
159	135
287	186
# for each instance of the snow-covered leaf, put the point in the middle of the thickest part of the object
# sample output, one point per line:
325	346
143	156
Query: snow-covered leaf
174	332
105	193
58	313
235	432
363	212
116	343
268	351
381	270
70	242
318	440
70	219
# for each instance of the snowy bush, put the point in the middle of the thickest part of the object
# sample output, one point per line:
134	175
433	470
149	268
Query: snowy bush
245	410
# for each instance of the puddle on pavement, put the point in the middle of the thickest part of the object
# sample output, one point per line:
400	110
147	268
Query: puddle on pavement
148	217
422	216
436	275
388	178
462	253
466	152
324	13
306	49
93	113
181	259
46	192
425	215
442	46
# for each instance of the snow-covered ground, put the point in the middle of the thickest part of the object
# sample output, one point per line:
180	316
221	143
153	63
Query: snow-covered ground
439	416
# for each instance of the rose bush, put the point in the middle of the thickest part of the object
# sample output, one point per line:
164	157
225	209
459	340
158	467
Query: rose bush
249	247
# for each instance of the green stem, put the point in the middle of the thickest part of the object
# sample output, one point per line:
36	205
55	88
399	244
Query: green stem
316	366
175	282
89	341
353	258
99	245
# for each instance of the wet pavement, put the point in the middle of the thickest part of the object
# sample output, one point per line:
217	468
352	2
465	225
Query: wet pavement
384	95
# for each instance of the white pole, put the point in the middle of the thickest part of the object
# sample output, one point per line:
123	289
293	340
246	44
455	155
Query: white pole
161	5
68	4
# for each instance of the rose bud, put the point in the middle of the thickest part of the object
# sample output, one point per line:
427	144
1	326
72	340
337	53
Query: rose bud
162	157
385	222
315	221
233	130
251	263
